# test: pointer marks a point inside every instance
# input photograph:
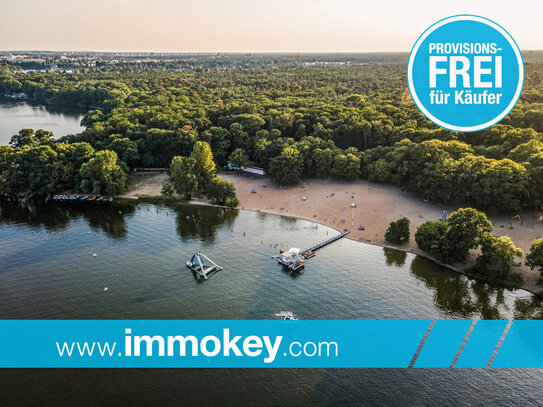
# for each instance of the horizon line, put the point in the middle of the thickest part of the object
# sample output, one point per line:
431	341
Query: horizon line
221	52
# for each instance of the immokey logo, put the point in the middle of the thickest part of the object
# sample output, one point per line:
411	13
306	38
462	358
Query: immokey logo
252	346
209	345
465	73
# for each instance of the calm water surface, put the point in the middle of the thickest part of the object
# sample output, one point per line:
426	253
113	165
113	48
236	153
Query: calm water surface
47	271
15	116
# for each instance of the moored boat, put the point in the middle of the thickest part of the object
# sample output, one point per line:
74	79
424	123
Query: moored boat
288	316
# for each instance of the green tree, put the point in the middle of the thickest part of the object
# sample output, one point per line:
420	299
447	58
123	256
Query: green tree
126	150
27	137
232	203
430	237
534	259
220	190
451	241
7	171
467	229
39	167
534	167
82	153
249	122
300	132
398	231
346	166
523	152
103	175
287	167
220	143
182	176
323	161
497	255
239	158
262	151
167	189
240	138
204	167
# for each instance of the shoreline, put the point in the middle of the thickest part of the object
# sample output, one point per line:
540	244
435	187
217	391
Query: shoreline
327	202
454	268
458	268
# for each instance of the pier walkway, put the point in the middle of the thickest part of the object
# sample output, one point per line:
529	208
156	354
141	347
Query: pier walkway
313	249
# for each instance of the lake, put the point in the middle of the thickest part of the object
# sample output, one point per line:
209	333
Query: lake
47	271
16	115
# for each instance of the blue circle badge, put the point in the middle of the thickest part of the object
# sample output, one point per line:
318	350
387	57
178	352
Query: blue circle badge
465	73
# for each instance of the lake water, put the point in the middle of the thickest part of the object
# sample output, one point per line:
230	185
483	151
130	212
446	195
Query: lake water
15	116
47	271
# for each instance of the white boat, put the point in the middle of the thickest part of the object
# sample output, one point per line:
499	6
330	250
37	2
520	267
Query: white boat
288	316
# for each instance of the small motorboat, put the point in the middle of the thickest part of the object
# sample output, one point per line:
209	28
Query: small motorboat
288	316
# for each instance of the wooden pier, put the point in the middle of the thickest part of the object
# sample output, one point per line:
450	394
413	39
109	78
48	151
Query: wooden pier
307	253
294	259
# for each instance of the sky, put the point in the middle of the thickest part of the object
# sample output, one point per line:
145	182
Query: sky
247	25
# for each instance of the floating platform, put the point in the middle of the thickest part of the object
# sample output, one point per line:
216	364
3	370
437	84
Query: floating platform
294	259
203	265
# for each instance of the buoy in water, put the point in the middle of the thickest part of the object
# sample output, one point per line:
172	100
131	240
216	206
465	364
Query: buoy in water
105	288
89	233
94	255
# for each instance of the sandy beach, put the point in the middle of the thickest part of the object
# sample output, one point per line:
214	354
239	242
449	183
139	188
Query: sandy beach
376	205
328	202
144	183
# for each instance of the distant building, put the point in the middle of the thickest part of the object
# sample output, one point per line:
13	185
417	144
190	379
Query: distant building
251	170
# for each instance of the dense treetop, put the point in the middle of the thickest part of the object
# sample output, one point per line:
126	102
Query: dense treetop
345	122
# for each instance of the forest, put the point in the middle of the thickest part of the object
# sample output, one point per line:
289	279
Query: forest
347	121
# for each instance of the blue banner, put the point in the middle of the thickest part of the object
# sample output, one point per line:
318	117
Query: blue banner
262	343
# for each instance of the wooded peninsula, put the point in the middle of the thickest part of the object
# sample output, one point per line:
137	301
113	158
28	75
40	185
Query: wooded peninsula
294	119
